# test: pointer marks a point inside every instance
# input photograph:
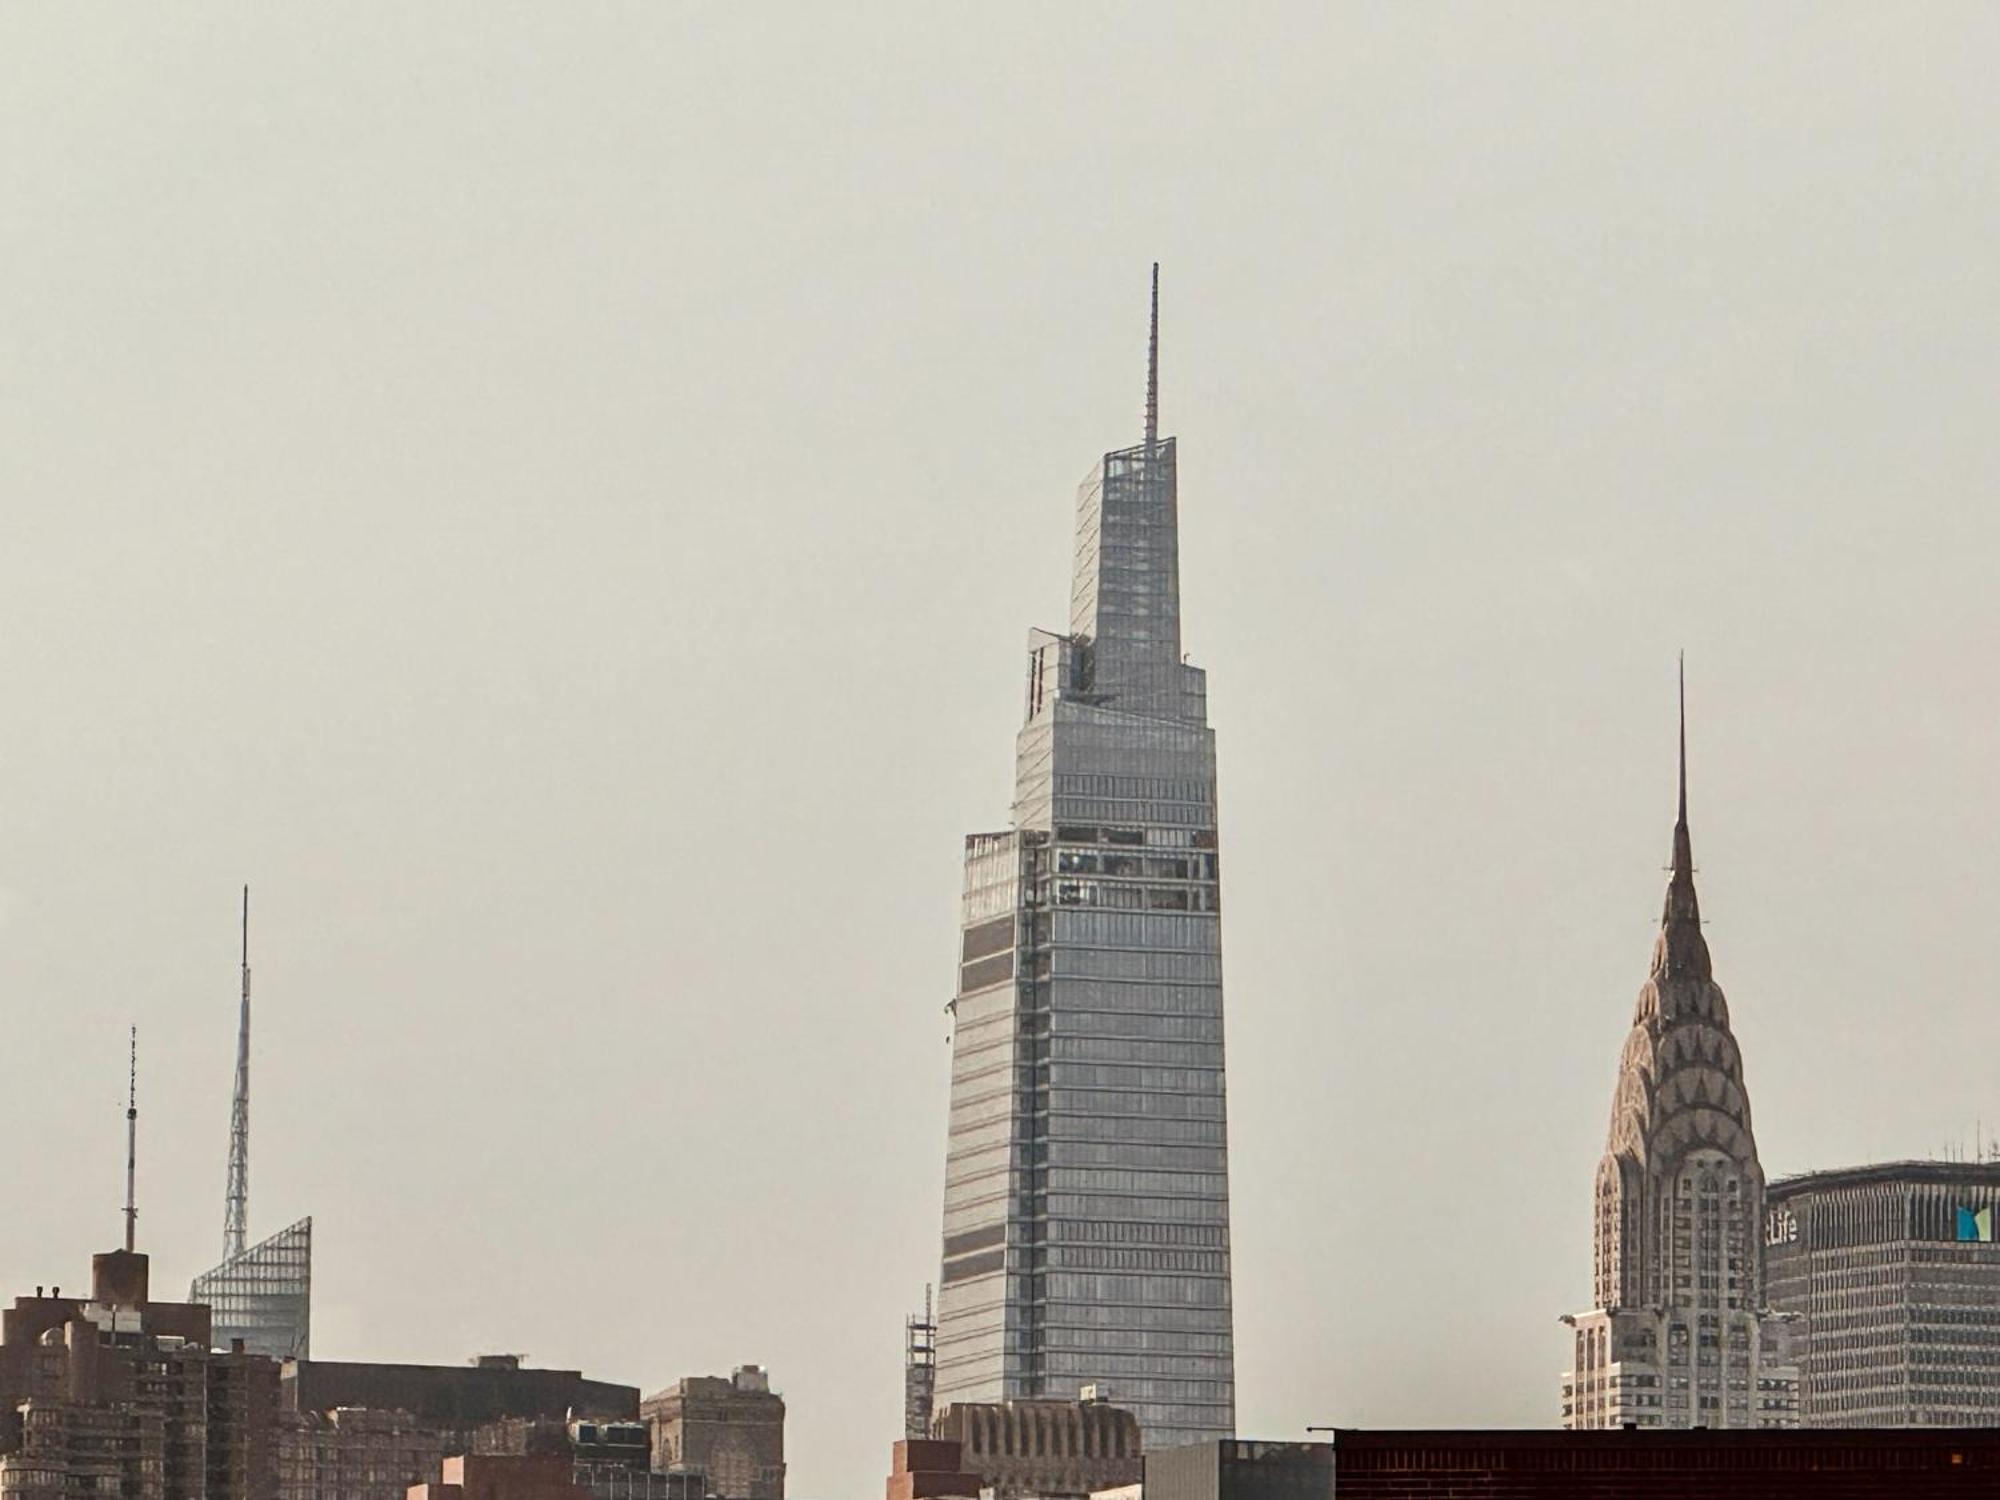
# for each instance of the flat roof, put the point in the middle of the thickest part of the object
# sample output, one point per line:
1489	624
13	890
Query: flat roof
1950	1173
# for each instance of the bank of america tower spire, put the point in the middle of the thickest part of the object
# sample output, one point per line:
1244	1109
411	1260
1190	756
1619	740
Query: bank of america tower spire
1086	1213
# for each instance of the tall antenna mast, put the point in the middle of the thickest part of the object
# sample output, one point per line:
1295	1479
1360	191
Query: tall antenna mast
1684	737
132	1147
235	1220
1153	365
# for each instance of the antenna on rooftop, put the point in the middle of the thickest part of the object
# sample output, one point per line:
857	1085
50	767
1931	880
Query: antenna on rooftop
1153	365
132	1146
236	1214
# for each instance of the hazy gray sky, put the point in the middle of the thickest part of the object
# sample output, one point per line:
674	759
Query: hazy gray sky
554	496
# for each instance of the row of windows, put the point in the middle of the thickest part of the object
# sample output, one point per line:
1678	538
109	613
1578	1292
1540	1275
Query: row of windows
1088	999
1144	1132
1100	1026
1147	747
1101	1155
1113	963
1091	1363
1174	866
1077	1258
1107	1075
1136	1232
1133	1104
1162	933
1149	1184
1194	1210
1118	896
1134	1050
1158	788
1085	1323
1142	1341
1194	818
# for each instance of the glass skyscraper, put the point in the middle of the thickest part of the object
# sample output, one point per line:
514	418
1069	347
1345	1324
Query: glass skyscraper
1086	1214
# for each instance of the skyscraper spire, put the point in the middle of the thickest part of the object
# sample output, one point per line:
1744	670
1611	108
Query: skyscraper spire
1678	1267
1684	738
1153	365
1682	949
132	1146
236	1213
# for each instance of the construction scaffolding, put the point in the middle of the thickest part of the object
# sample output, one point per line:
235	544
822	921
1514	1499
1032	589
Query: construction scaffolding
919	1371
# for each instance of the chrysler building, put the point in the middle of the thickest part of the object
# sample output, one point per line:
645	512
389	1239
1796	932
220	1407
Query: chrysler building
1678	1334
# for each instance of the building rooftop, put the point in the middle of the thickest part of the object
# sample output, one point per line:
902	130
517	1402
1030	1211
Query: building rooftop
1888	1171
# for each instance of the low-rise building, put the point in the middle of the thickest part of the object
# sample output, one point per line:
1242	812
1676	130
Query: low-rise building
458	1400
733	1430
355	1453
1236	1469
1664	1464
611	1459
501	1476
1023	1448
930	1469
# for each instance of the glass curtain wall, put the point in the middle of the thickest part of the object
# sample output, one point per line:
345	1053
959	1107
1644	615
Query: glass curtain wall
1087	1192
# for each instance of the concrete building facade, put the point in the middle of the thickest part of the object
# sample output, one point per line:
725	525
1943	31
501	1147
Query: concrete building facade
1029	1448
1678	1335
1892	1276
733	1429
355	1453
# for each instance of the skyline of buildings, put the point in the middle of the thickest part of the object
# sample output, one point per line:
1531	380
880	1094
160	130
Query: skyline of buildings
1086	1196
114	1394
1086	1239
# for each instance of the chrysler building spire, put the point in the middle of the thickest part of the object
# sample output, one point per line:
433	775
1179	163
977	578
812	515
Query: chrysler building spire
1681	949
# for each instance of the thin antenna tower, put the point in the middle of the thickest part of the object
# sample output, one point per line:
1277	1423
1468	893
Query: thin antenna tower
132	1147
1684	736
1153	365
236	1215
